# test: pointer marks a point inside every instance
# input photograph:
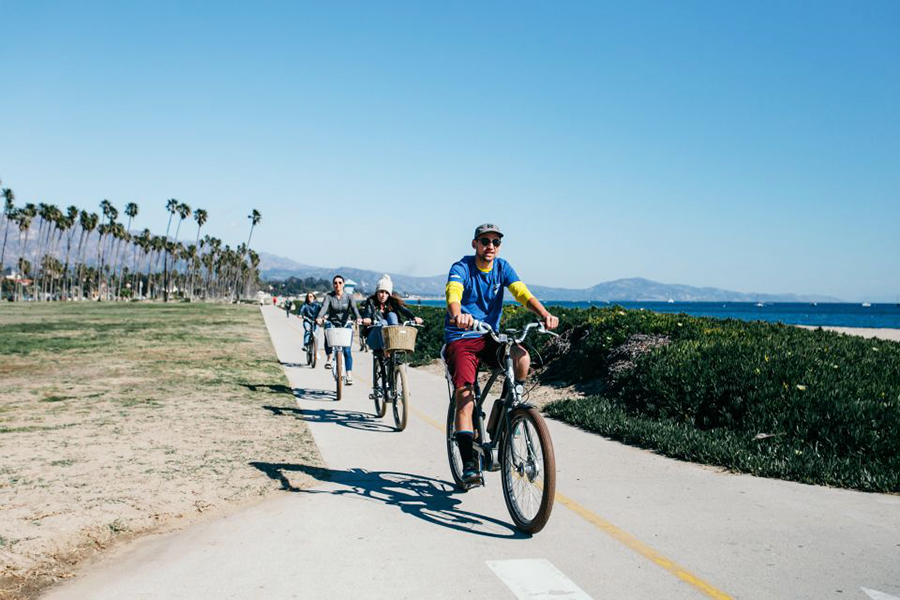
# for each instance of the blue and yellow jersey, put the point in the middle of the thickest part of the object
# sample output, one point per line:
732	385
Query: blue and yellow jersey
480	293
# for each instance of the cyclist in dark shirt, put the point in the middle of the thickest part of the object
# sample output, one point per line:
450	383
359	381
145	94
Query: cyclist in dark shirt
383	308
310	310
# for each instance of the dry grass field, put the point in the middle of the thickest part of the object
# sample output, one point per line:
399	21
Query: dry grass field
117	420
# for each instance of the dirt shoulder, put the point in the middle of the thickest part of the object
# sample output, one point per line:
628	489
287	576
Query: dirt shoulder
119	420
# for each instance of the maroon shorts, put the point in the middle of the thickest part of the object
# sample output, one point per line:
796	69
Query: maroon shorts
463	357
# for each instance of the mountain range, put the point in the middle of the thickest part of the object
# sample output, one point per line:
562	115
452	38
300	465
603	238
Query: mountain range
635	288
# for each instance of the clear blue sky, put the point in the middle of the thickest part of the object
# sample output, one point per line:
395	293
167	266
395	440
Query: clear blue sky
752	146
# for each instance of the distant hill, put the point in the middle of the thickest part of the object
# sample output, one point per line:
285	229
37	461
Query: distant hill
636	288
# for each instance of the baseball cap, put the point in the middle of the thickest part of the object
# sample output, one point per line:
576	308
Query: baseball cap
486	228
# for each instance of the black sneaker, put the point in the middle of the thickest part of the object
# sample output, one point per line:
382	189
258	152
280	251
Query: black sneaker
471	473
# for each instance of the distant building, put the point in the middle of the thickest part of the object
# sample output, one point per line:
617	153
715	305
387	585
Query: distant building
349	286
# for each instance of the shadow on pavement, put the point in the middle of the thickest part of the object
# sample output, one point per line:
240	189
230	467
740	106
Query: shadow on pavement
299	393
291	364
346	418
425	498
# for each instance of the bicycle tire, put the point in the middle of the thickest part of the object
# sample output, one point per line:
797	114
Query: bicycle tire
338	375
456	463
527	429
401	398
312	352
378	388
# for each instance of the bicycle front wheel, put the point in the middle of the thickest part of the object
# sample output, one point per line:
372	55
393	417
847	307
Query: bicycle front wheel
456	462
339	371
401	398
312	352
528	466
378	387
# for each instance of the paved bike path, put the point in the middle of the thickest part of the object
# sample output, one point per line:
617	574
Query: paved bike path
386	523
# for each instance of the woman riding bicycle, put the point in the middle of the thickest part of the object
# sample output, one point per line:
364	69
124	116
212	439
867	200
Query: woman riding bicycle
383	308
337	308
310	310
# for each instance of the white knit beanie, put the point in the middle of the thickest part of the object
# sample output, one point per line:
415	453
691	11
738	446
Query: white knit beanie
385	283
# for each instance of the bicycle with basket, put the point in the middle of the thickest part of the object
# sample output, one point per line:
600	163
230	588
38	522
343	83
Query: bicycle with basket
339	338
389	380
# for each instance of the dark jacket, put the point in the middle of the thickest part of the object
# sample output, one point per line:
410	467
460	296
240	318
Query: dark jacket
310	311
370	311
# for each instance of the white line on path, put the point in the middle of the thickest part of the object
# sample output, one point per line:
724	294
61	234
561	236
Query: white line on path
876	595
536	579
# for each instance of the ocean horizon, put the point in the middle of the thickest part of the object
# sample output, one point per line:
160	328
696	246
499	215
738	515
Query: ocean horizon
821	314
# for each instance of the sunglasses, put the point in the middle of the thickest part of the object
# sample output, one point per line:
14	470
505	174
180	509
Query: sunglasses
337	283
488	241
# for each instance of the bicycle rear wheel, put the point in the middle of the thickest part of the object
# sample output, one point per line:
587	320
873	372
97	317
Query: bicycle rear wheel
456	462
528	466
378	387
338	371
401	398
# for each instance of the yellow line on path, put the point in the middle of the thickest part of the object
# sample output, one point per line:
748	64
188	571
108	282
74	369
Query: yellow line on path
621	536
641	548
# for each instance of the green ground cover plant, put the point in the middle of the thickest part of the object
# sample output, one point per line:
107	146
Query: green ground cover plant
773	400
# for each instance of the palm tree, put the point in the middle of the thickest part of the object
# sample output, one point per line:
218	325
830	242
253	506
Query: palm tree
23	219
9	210
111	213
131	211
69	221
255	218
200	216
172	207
88	222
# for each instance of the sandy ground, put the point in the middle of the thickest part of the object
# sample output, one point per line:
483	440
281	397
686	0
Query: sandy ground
883	334
144	435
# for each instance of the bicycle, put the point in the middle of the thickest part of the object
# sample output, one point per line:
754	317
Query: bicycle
338	338
389	384
312	348
515	429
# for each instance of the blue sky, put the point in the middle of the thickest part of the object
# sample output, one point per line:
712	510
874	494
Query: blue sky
748	146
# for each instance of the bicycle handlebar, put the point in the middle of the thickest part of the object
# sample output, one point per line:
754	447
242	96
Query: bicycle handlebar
482	327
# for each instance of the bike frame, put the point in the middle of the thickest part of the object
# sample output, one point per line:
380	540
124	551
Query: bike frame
510	397
335	349
390	363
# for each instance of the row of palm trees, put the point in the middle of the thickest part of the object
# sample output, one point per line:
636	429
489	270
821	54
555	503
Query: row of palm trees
61	268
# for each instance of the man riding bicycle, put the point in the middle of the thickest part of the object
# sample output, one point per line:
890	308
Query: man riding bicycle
475	291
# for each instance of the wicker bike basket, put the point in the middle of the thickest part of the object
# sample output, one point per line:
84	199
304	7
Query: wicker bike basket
339	336
399	337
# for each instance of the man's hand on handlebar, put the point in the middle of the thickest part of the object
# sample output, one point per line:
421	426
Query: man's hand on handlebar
550	322
320	321
464	320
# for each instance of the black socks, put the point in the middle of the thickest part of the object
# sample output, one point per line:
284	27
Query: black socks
464	441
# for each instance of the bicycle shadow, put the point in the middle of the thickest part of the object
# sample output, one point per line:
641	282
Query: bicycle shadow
346	418
299	393
422	497
291	364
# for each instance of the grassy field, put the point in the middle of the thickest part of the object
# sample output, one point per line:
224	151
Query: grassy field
118	419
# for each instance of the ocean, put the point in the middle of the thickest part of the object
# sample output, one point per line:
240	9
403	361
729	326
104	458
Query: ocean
789	313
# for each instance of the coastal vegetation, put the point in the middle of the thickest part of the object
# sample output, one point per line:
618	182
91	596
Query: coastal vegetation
773	400
77	254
